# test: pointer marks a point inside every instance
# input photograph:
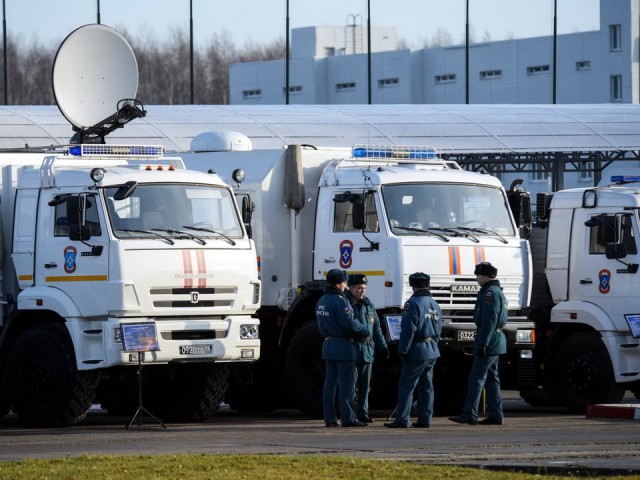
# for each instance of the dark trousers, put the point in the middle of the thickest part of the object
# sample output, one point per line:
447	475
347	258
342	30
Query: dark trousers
340	375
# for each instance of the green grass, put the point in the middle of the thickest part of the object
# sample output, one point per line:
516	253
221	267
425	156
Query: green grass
254	467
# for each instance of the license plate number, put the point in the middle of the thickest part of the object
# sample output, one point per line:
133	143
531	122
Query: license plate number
466	335
196	349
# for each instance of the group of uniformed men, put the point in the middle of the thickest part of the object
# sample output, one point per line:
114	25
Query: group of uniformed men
348	321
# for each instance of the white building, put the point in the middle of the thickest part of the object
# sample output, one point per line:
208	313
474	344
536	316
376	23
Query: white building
328	65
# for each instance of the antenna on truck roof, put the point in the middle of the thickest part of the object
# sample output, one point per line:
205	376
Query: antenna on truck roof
94	73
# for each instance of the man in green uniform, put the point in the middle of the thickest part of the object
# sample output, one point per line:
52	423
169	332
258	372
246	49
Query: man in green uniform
490	316
365	312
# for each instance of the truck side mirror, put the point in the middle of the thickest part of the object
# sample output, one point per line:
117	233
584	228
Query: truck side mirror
76	215
358	218
247	210
520	205
615	251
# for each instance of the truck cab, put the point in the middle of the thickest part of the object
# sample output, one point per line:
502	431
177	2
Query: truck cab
592	335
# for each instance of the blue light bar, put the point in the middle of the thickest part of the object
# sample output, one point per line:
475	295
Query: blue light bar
625	178
100	150
393	151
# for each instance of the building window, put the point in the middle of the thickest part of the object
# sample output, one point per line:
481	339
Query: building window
615	37
586	171
583	65
537	69
256	93
341	87
488	74
539	173
293	90
616	88
448	78
388	82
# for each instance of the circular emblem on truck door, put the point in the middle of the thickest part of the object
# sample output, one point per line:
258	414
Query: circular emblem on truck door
604	279
70	254
346	250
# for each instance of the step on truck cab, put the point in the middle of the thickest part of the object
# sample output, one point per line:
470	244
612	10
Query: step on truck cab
101	238
386	212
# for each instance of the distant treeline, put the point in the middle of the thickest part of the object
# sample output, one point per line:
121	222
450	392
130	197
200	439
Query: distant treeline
163	65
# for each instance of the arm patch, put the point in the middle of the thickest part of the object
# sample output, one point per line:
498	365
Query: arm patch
489	296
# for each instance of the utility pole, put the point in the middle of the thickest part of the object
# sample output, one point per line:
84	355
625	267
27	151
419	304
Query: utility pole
555	48
369	51
4	45
191	46
466	50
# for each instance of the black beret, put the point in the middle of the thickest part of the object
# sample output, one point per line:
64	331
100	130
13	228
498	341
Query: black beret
486	269
419	280
335	276
357	279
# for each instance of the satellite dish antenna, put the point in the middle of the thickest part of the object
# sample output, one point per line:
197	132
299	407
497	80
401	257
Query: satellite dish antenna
95	81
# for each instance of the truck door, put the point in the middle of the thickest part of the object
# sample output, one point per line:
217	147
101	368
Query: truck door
608	282
77	267
341	243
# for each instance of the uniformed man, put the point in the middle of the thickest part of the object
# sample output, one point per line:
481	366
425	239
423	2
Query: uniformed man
366	348
340	330
420	331
490	316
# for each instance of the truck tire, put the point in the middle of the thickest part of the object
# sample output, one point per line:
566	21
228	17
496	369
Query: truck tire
184	393
253	393
118	393
44	386
305	370
583	373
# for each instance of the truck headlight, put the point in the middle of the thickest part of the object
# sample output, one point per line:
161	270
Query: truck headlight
525	336
249	332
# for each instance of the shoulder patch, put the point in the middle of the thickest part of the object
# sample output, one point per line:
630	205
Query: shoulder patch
489	296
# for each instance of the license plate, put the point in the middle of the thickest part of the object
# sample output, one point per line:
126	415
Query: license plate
466	335
196	349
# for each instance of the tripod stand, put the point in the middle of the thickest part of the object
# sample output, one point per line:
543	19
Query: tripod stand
141	410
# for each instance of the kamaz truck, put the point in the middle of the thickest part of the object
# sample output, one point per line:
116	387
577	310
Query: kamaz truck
98	239
386	212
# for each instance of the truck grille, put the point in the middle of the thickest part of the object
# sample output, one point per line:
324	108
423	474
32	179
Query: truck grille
192	297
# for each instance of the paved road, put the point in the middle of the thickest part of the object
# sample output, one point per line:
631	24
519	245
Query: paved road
549	438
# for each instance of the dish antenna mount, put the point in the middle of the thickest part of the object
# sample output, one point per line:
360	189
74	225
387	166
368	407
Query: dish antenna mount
94	73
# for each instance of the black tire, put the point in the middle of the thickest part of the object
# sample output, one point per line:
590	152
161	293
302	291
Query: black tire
583	373
252	393
305	369
450	384
184	393
118	393
44	386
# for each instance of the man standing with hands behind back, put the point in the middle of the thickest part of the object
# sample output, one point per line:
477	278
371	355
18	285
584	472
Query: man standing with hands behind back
420	331
339	329
490	316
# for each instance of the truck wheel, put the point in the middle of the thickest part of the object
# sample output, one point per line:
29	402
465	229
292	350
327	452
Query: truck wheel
305	369
184	393
118	393
583	373
253	391
45	388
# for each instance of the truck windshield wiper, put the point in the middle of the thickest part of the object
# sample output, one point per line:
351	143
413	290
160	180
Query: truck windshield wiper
200	229
466	232
176	232
430	231
485	232
148	232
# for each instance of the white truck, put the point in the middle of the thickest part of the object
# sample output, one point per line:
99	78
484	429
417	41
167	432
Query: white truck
587	304
383	211
99	238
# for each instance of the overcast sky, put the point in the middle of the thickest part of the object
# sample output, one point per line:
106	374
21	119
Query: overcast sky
258	21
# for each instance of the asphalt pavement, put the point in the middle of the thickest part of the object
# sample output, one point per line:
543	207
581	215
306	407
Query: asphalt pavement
534	439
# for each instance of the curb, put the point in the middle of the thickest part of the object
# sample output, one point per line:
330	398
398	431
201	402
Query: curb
628	411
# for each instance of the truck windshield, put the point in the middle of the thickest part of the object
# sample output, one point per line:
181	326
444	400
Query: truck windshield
202	210
449	209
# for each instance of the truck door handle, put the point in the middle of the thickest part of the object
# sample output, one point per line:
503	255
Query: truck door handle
586	281
50	265
330	260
